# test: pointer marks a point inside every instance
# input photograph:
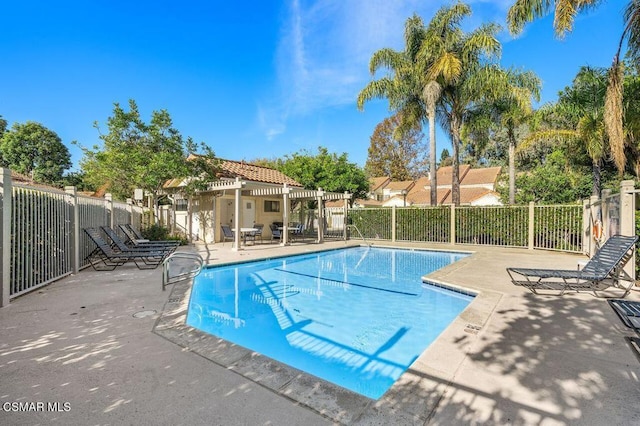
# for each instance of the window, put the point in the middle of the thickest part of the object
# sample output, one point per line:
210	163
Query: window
271	206
181	205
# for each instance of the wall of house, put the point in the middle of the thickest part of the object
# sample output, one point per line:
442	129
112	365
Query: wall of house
210	212
487	200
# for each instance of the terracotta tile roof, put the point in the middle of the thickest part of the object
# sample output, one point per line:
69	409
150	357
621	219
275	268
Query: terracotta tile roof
247	171
487	176
445	173
422	197
368	202
468	195
334	203
376	182
399	186
256	173
26	180
421	184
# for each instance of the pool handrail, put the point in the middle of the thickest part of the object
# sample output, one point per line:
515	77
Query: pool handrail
167	279
359	233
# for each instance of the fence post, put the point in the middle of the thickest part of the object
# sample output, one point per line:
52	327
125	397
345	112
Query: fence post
129	202
108	207
452	224
321	217
628	219
6	198
346	215
604	210
393	224
532	226
75	229
586	227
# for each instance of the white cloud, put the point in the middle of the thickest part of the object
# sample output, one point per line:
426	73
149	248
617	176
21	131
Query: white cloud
325	46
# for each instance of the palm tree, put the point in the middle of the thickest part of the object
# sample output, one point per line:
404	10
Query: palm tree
408	91
465	66
565	11
430	95
505	114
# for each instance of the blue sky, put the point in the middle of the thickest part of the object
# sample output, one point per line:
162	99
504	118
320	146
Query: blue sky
255	80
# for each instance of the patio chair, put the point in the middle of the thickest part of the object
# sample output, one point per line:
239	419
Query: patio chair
604	269
276	232
297	231
110	259
134	241
119	245
258	233
227	234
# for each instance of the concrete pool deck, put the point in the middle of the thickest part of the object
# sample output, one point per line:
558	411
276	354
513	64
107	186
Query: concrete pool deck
512	357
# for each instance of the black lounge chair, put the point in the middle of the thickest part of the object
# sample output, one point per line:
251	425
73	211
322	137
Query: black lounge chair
605	269
110	258
136	231
119	245
134	241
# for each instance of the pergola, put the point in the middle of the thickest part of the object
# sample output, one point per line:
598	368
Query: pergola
257	189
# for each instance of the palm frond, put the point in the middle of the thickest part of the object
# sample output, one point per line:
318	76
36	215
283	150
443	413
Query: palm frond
483	41
525	11
448	66
387	58
375	90
541	136
591	130
632	27
565	13
613	115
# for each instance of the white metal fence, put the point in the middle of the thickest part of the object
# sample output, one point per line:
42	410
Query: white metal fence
42	236
543	227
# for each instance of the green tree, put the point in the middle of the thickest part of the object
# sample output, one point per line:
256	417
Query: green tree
411	92
465	66
34	150
577	120
395	155
3	126
506	114
325	170
143	155
565	12
445	158
553	182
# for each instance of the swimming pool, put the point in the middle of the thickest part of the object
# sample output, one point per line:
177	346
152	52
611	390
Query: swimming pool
357	317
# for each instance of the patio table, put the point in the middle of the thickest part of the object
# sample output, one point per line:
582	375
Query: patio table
247	231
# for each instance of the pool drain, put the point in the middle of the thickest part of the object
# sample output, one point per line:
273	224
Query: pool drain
472	328
144	314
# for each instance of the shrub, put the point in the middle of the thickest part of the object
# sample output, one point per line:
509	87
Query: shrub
158	232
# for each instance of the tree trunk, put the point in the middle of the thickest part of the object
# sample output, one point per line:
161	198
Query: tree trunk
432	160
455	175
512	167
597	178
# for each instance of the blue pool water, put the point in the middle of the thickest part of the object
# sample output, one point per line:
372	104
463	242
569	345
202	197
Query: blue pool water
357	317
